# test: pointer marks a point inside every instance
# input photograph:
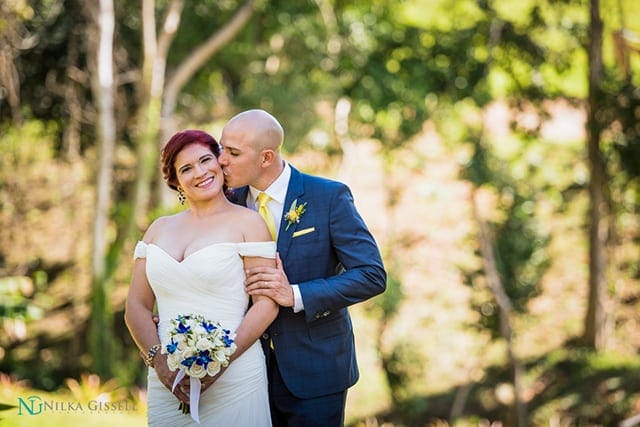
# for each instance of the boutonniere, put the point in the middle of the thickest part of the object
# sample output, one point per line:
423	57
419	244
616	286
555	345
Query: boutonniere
295	213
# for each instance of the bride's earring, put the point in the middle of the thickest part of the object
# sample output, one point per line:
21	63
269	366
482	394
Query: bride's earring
181	197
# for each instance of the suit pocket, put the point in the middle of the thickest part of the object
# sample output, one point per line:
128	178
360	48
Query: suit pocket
331	327
302	232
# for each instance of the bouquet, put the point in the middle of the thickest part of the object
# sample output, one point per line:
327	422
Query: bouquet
196	347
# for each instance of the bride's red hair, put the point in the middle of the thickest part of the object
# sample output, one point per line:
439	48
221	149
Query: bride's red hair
177	142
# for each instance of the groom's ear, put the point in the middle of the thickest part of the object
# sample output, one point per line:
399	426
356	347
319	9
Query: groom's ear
268	156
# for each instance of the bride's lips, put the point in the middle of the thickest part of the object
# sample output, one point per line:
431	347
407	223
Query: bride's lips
206	182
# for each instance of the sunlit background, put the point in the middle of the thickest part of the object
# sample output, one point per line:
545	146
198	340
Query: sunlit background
492	146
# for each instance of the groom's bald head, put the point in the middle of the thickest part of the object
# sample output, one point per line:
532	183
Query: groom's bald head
251	143
258	126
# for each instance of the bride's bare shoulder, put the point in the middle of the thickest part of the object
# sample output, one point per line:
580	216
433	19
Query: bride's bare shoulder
162	224
251	224
244	213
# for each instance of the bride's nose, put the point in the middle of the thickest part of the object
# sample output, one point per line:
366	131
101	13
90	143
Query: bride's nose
200	170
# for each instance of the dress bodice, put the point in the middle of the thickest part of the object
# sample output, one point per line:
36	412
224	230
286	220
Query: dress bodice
209	281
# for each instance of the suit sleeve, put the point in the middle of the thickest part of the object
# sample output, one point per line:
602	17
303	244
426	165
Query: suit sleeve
358	269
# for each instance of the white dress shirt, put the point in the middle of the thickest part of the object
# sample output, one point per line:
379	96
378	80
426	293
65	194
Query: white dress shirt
277	191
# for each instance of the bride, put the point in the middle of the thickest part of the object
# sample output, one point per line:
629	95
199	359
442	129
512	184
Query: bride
193	262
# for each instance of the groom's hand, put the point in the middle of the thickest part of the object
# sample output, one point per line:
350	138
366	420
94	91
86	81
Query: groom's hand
271	282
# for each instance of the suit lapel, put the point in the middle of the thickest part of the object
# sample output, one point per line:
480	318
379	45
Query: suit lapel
238	195
295	189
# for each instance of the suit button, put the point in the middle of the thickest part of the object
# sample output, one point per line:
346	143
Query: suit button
326	313
265	336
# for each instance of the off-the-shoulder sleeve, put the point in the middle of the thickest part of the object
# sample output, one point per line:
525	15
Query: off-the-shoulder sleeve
140	251
260	249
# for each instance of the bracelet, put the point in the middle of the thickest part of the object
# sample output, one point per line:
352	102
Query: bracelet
148	358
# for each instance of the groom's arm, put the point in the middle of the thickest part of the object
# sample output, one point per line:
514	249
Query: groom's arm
350	262
359	273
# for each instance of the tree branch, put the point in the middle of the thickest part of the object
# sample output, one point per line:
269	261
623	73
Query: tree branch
202	54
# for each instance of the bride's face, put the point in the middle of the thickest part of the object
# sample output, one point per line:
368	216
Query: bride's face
198	172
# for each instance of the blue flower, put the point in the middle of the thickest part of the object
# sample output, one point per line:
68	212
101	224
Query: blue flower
227	341
172	347
189	361
203	359
208	326
182	328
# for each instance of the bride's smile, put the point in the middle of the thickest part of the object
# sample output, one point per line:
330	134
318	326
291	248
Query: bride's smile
206	182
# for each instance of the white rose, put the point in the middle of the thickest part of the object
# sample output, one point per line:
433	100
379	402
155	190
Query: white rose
231	349
197	371
203	344
188	352
199	330
213	368
173	361
220	355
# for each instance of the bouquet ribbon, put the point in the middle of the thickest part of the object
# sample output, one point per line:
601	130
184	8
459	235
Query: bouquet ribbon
194	394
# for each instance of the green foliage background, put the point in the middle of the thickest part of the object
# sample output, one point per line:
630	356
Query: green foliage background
423	80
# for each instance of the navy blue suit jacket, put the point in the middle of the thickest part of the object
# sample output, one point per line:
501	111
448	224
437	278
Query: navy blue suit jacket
333	258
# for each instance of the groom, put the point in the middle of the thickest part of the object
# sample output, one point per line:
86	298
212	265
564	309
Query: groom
328	260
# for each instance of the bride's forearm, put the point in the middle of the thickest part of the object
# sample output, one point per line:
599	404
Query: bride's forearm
138	309
258	318
143	330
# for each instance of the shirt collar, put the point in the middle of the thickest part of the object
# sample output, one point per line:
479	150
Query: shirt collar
278	188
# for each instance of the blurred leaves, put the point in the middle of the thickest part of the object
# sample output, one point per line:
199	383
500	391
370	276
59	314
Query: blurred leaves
15	303
90	387
413	72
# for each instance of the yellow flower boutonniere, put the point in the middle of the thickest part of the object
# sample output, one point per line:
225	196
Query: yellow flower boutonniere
294	213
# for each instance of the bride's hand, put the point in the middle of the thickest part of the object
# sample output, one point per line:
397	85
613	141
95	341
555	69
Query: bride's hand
167	377
208	381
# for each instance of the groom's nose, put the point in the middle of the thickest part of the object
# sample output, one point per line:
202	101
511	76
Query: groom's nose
222	159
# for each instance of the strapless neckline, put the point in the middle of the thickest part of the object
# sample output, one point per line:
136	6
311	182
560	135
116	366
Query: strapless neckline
212	245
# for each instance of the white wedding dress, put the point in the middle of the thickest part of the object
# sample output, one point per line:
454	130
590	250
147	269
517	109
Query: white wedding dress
209	282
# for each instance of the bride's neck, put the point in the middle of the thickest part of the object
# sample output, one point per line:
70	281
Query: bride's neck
206	209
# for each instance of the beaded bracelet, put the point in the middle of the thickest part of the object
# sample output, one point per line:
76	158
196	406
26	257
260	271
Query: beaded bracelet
148	358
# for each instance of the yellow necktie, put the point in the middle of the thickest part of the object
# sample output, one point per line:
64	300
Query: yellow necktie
265	213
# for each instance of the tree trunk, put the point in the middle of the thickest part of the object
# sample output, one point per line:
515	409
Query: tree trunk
186	70
199	57
104	94
151	92
10	43
505	310
595	330
160	99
